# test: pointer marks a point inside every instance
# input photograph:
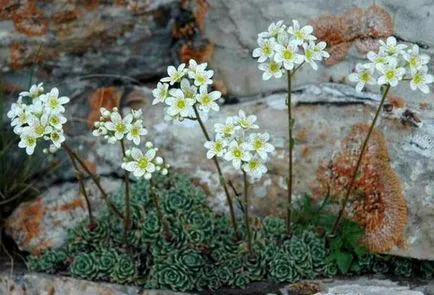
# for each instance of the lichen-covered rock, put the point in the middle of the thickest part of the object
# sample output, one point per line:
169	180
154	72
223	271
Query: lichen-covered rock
44	221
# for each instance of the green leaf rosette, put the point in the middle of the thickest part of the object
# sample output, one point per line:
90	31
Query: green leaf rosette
172	277
282	269
273	226
107	260
85	266
125	270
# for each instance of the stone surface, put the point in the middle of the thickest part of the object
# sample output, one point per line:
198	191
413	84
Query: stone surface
44	222
233	27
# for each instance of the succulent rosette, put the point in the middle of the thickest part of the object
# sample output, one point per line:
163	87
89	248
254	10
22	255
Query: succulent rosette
85	266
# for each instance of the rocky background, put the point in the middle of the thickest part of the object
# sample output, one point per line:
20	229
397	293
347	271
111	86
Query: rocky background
112	53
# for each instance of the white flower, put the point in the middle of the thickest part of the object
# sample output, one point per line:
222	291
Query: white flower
35	91
178	104
56	120
362	76
271	69
39	126
259	143
255	168
311	54
274	30
216	148
391	74
246	122
201	77
160	93
141	164
265	49
227	129
135	131
288	56
319	50
28	141
192	66
57	138
391	48
137	114
118	125
419	80
207	100
175	75
53	102
237	153
16	109
190	91
18	114
300	35
415	60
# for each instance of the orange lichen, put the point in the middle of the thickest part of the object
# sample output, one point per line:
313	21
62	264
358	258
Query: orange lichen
201	54
64	16
305	151
74	204
200	14
107	97
358	26
396	101
301	134
30	21
377	202
424	106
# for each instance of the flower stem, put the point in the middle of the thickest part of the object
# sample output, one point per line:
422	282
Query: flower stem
246	213
127	220
290	151
221	178
156	202
104	195
359	161
79	177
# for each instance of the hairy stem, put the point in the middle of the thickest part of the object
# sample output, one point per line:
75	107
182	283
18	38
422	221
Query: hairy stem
79	177
359	161
246	213
221	178
290	151
94	178
127	220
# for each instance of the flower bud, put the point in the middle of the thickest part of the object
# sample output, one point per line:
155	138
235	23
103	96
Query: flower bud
158	160
148	176
164	171
149	144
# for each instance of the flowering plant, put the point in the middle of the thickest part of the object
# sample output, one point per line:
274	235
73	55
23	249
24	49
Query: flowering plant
284	48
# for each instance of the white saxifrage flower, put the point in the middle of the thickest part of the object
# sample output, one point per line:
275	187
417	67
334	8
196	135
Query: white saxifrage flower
175	74
288	56
237	153
35	91
28	141
415	60
201	77
216	148
119	125
274	30
160	93
54	102
311	54
363	76
178	104
136	131
391	47
420	79
207	101
140	164
265	50
246	122
301	34
271	68
255	168
377	59
258	142
228	128
390	73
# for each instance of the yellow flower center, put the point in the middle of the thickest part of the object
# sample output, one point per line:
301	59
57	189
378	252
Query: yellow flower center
201	78
390	74
135	131
30	141
121	127
299	35
267	50
55	136
180	104
54	120
237	153
253	164
163	92
176	76
39	130
218	146
309	54
23	118
206	99
274	67
413	61
288	54
143	163
244	123
53	102
258	144
364	76
227	130
418	79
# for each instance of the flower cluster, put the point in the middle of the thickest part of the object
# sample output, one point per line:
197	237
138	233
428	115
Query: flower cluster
143	164
284	47
114	127
39	116
186	88
392	63
235	142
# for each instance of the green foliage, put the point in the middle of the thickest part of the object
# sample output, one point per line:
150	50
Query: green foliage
201	253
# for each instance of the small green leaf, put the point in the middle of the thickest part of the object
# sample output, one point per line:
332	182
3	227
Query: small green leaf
360	250
344	261
336	244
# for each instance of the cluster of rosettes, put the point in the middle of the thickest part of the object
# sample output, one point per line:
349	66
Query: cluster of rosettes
113	127
185	89
235	142
39	116
143	164
284	47
392	63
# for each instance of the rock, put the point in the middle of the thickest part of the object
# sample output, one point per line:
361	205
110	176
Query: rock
366	286
36	284
233	27
44	221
